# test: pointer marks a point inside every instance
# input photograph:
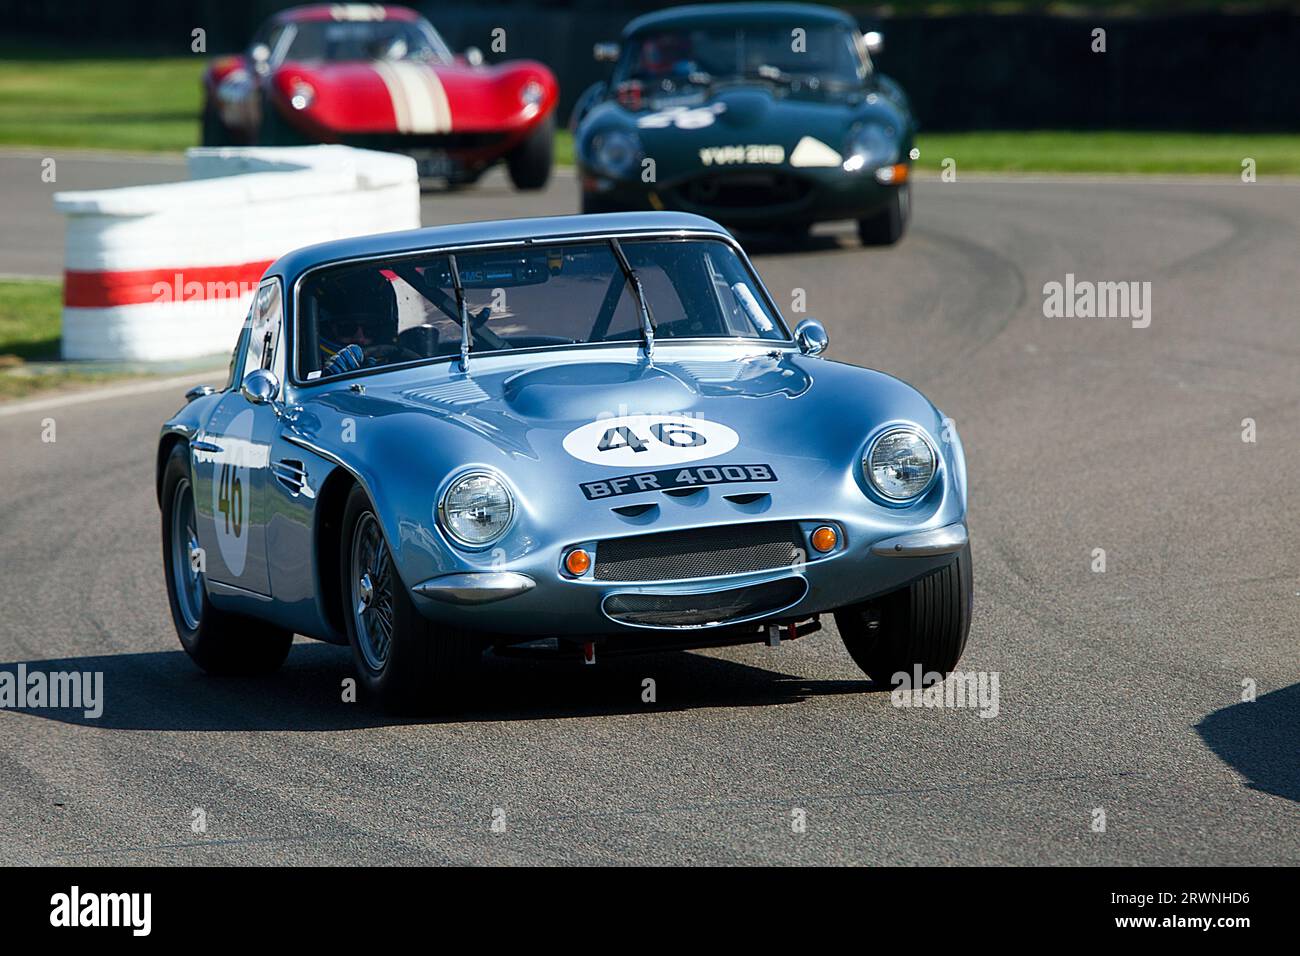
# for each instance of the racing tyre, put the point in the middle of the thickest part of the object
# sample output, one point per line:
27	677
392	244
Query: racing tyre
924	623
593	204
213	131
273	130
886	227
529	163
216	640
404	660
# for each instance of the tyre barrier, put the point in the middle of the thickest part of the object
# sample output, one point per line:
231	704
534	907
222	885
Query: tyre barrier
168	271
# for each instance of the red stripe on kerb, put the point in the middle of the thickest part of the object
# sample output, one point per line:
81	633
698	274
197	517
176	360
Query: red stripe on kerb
100	290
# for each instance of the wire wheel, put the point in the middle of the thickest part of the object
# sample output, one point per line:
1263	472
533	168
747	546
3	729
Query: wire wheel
371	589
187	579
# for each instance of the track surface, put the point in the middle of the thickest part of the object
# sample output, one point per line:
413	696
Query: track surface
1119	690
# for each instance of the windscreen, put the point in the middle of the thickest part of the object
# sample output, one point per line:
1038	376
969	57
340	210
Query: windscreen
751	51
363	40
411	309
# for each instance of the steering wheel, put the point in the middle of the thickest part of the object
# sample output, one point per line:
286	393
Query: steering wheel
389	355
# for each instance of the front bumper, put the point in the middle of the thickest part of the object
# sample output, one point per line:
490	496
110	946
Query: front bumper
526	605
755	196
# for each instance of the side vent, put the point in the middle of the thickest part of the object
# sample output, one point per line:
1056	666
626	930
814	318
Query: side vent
292	474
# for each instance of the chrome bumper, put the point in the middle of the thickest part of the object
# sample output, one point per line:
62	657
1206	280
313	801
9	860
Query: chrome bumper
475	587
945	540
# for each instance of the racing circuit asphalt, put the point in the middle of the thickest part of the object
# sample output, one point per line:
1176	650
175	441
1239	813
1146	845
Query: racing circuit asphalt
1120	691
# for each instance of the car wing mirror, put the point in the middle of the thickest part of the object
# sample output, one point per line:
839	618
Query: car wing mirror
811	336
874	42
198	391
260	386
605	52
473	56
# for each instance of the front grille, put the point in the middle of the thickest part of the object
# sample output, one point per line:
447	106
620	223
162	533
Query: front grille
744	190
703	610
702	553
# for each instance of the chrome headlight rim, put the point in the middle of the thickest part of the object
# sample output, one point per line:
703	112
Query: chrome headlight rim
865	464
444	525
595	146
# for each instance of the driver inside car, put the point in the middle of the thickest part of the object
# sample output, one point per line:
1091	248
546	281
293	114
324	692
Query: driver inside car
358	324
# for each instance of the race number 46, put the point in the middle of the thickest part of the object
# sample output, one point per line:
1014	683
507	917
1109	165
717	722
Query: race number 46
649	440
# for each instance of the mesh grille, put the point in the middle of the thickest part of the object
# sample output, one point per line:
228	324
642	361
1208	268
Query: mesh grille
703	553
699	610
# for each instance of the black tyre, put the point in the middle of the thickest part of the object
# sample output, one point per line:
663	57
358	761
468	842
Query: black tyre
886	226
213	132
273	130
594	204
408	663
530	162
218	641
924	624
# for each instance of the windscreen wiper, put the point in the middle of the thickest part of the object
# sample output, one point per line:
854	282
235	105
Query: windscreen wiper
647	323
463	312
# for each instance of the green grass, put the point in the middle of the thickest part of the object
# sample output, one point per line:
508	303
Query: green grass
563	147
30	312
1046	151
103	102
137	102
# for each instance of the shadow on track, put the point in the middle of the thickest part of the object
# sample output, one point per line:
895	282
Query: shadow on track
165	691
1259	741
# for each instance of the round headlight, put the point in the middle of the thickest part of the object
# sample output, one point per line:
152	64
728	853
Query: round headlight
531	93
303	95
615	153
872	145
476	509
899	464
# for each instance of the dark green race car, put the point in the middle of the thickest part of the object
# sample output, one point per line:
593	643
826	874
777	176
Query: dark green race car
757	115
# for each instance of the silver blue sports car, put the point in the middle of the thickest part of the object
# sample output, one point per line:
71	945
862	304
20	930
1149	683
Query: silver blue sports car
589	434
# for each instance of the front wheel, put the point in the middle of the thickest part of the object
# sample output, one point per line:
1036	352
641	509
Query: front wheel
886	226
404	660
924	624
219	642
213	131
529	163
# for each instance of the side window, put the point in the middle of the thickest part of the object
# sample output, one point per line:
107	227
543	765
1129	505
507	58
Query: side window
233	379
263	329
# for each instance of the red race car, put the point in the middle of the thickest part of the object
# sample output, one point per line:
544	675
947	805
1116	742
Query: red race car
381	77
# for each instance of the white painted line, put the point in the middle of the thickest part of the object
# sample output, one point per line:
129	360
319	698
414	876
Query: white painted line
108	393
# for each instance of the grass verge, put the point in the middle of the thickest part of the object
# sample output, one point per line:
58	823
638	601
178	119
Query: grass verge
30	313
1127	151
135	102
